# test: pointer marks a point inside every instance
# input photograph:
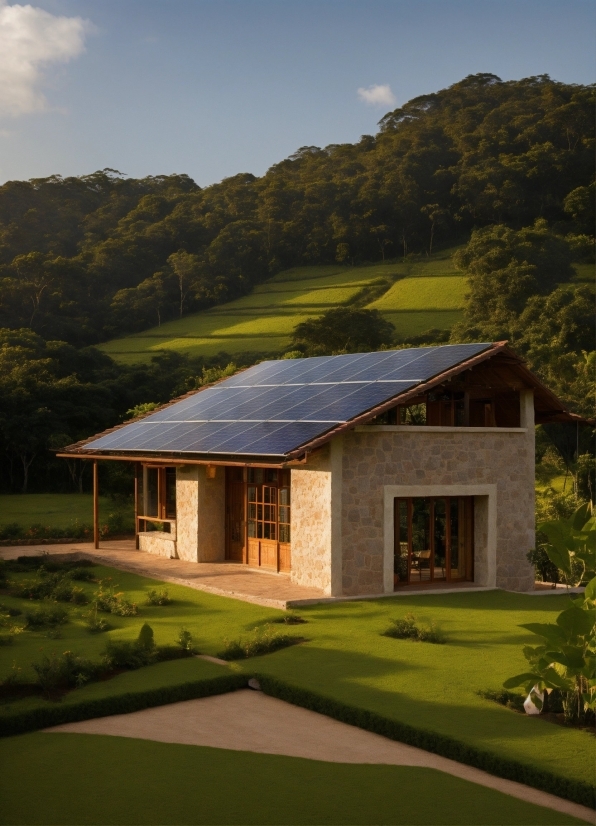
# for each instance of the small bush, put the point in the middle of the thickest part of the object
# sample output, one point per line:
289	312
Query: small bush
45	617
290	619
10	610
80	574
262	642
159	597
125	654
113	603
504	698
6	639
145	639
184	640
408	629
62	671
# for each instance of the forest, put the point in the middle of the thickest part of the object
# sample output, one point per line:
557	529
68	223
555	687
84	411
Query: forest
503	169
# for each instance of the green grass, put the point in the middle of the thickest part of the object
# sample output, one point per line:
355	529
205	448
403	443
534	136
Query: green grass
96	779
585	273
54	510
259	322
345	658
263	321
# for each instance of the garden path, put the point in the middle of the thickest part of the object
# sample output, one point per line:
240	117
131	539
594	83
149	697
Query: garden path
248	720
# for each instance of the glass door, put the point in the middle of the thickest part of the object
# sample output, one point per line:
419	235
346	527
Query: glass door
433	540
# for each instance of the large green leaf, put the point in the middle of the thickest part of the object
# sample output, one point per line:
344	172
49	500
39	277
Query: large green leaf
552	633
581	517
521	679
577	622
590	592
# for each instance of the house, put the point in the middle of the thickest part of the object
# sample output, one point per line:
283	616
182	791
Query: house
355	474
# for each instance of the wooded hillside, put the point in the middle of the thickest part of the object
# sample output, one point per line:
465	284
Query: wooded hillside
85	259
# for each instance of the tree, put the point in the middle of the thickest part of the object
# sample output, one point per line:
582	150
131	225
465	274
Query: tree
343	330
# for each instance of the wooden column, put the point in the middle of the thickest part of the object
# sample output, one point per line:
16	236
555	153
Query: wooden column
136	505
95	506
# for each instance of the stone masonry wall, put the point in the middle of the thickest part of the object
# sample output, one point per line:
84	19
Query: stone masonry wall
311	522
378	457
200	514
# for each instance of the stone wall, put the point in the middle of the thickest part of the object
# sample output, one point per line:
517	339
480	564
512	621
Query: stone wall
158	543
375	457
311	522
200	514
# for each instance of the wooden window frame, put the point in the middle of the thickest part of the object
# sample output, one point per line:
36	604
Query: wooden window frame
161	520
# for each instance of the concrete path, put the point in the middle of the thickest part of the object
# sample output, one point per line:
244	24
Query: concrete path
252	721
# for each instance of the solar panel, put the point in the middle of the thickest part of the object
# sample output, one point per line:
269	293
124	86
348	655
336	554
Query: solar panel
275	407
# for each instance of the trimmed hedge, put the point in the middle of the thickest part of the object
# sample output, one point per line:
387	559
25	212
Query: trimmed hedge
575	790
55	715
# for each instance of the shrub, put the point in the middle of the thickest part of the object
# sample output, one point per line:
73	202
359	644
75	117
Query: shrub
184	640
158	597
408	629
504	698
264	641
145	639
80	574
11	531
62	671
125	654
113	603
45	617
6	639
290	619
10	611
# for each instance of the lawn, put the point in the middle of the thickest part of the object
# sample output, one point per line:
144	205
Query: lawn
93	779
55	510
345	658
262	322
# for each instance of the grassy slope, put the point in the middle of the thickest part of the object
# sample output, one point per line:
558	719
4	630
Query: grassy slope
54	510
346	658
259	322
91	779
263	320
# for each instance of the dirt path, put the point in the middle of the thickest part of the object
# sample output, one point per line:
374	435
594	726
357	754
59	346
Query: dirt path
252	721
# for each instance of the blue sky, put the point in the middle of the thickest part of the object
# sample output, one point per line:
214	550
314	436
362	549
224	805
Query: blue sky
211	88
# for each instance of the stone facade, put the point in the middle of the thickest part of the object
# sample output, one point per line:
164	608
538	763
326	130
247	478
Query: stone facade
342	517
200	514
311	523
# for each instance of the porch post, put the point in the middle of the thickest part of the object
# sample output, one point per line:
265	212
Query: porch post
95	506
136	495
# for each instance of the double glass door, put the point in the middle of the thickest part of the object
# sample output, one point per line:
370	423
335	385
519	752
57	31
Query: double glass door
433	539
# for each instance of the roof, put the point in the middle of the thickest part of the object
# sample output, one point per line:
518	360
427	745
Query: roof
278	409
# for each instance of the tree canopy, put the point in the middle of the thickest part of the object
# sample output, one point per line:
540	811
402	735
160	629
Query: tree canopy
83	259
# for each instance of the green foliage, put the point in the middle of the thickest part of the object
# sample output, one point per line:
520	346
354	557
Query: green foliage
145	639
566	659
407	628
263	641
45	616
141	410
161	597
111	602
185	640
343	330
58	672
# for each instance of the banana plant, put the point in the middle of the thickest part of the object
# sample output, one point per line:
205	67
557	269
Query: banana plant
573	539
565	659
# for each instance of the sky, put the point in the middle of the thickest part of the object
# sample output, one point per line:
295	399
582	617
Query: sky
212	88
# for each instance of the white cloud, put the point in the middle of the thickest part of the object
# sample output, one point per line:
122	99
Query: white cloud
30	40
378	95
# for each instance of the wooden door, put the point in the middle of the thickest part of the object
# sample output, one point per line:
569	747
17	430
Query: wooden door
236	515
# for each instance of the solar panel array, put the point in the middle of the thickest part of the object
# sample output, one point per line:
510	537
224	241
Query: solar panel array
277	406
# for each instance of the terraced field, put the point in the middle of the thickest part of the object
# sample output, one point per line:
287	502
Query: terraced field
414	296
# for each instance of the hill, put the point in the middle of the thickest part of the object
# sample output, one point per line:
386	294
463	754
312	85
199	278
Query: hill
85	259
414	295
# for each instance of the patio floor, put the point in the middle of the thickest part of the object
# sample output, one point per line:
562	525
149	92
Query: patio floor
226	579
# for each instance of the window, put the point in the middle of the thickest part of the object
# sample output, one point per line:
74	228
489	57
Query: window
157	497
268	504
